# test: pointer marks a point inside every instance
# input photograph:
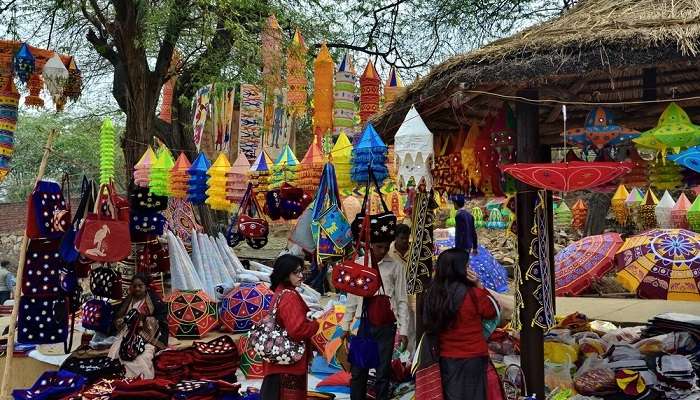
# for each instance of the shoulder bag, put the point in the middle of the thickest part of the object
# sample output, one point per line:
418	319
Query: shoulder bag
489	325
271	341
105	234
383	224
47	214
133	345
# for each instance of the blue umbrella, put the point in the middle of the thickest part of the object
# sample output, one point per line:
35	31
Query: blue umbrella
689	158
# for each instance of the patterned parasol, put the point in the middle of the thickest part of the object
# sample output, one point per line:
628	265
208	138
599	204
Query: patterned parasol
661	264
567	176
689	158
191	314
581	262
245	306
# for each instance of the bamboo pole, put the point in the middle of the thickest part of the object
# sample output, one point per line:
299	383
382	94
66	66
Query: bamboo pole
5	392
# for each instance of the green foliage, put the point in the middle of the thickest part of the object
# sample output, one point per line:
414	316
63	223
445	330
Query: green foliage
75	152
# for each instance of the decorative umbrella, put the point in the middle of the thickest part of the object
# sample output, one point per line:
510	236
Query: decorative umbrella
679	215
191	314
329	337
490	271
251	362
567	176
664	210
600	130
414	150
689	158
579	264
245	306
675	130
618	204
661	264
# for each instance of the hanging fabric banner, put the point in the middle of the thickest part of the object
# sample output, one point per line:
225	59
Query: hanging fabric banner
201	106
278	137
251	121
420	253
222	105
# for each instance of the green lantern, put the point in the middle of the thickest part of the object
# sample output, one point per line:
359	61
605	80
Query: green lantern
563	215
106	152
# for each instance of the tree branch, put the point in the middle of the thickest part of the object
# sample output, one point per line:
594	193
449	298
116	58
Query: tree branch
173	29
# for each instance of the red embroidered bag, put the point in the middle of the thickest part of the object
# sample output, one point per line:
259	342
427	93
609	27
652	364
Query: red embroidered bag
252	225
104	236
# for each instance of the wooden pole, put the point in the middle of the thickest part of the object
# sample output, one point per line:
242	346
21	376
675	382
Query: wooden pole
531	337
5	392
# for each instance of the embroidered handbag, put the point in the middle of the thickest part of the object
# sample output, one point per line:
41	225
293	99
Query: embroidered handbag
88	194
41	276
154	257
94	368
52	385
271	341
273	204
104	236
141	199
47	215
293	201
42	320
106	282
147	222
98	316
382	225
251	224
133	345
336	226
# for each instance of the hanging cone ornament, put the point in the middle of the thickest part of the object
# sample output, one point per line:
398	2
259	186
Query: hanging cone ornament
563	215
664	211
237	179
216	194
393	87
675	130
634	199
323	92
579	213
159	180
311	167
55	76
344	98
496	219
341	156
370	150
197	185
142	169
694	215
260	172
414	150
285	169
179	177
646	216
9	100
107	143
370	93
296	76
23	63
679	214
618	204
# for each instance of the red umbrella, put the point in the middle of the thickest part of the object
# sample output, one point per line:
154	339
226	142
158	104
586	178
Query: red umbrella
577	265
567	176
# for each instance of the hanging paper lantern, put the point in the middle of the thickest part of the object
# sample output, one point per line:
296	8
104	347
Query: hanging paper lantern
74	86
341	156
496	219
159	180
563	214
344	98
648	141
9	100
296	76
679	214
664	211
675	130
311	167
55	76
694	215
323	92
166	107
216	194
370	151
503	135
179	177
142	169
393	87
36	83
106	152
271	51
646	215
618	204
414	150
600	130
197	185
665	176
23	63
638	175
369	93
579	213
260	172
285	169
237	179
478	217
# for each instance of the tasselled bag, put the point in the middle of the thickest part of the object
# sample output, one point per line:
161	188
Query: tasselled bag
104	236
271	341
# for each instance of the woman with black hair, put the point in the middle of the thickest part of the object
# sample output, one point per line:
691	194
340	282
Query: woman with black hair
145	312
456	303
288	382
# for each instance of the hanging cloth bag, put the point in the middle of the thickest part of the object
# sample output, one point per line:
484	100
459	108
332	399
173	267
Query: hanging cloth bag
105	234
383	226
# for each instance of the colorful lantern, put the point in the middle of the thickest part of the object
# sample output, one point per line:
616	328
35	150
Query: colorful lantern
648	141
646	216
311	167
600	130
106	152
9	100
237	179
23	63
675	130
74	86
393	87
142	169
689	158
369	93
496	219
579	213
694	215
618	204
341	156
478	217
166	107
563	214
323	92
285	169
679	214
179	177
159	180
271	51
296	76
632	202
344	98
503	135
664	211
665	176
216	194
414	150
55	76
370	151
35	84
197	185
260	172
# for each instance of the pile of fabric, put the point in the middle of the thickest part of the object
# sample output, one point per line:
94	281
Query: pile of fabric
217	359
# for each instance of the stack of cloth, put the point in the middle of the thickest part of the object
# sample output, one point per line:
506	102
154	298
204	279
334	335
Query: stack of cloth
206	390
672	322
216	359
675	376
173	365
153	389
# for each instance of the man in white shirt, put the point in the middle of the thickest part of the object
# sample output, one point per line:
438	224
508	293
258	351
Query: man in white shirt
394	280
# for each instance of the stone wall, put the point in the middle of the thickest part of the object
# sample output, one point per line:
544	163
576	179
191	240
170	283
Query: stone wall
9	248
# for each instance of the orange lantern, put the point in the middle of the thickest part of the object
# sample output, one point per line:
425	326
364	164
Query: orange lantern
296	76
323	92
580	213
369	93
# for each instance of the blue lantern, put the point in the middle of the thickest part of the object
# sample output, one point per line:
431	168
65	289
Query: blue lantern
23	63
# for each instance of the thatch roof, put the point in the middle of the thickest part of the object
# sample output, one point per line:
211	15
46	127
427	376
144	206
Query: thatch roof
594	52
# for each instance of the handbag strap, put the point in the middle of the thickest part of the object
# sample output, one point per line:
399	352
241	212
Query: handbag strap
68	342
371	179
106	196
273	312
85	193
65	188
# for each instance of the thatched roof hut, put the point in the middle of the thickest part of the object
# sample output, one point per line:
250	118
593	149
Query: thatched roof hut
598	51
